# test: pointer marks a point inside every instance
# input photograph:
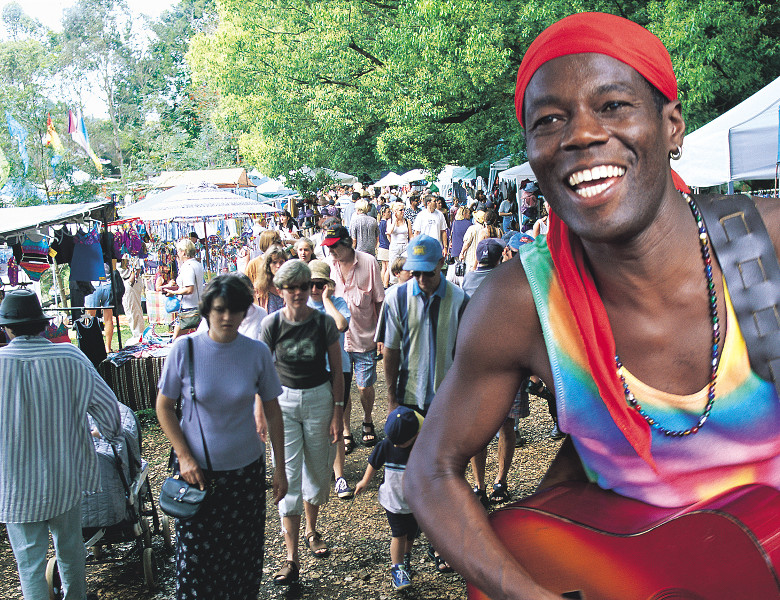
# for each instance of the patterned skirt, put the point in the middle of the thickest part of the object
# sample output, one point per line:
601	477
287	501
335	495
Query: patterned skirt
219	553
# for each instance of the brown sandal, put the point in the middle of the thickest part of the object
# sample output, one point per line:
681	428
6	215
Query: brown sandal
287	574
316	545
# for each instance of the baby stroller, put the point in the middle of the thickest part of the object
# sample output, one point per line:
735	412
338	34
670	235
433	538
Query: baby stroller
120	512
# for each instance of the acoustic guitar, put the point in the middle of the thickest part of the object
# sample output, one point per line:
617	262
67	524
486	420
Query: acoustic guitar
580	541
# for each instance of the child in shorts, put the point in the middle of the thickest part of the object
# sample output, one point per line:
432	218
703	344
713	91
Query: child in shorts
401	429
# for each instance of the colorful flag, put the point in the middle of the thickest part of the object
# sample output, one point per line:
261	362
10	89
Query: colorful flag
16	130
78	131
51	138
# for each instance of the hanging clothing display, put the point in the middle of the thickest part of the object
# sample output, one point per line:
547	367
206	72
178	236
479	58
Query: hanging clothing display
90	336
13	271
35	257
63	245
87	262
57	334
6	254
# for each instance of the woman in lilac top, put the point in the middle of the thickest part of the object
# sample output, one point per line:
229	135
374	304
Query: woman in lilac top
219	552
459	226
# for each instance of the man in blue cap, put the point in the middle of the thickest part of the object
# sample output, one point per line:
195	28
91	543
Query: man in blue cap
418	326
490	252
530	206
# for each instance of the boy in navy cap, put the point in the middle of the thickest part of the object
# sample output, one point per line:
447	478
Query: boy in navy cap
401	429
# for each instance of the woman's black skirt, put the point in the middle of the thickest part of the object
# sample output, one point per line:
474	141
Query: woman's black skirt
219	552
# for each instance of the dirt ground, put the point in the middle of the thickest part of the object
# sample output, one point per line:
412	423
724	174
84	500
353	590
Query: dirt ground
355	530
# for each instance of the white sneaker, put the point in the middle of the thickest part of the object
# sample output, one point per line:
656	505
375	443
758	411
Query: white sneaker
343	490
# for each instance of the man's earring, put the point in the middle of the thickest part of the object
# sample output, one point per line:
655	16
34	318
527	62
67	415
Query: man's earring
676	154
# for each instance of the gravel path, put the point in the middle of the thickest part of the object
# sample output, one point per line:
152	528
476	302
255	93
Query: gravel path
355	530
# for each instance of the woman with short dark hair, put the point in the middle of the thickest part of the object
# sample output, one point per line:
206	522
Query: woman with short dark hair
219	552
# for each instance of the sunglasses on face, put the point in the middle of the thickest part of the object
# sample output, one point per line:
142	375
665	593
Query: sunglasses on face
423	273
320	285
303	287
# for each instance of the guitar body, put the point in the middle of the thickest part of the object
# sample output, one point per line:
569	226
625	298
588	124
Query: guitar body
582	542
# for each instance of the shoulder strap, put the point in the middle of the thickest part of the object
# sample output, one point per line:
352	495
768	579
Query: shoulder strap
195	400
749	264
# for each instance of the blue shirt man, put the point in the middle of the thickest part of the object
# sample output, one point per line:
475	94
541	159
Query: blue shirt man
418	326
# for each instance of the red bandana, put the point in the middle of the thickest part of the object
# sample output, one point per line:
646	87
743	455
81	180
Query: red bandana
635	46
593	324
599	33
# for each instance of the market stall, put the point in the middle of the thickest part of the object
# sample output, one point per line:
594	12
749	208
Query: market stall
222	221
34	239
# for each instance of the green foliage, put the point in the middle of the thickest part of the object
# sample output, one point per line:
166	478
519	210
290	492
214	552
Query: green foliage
308	183
364	85
147	417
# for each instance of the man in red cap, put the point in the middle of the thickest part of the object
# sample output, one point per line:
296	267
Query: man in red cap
359	281
622	310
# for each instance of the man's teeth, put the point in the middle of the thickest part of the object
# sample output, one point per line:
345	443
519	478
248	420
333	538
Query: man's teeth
592	190
596	173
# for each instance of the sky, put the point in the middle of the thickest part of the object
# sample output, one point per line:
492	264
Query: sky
49	12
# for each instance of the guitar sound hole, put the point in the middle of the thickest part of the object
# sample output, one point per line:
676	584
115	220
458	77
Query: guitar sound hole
575	595
676	594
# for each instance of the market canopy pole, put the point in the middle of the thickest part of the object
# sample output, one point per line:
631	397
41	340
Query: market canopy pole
777	164
112	267
206	245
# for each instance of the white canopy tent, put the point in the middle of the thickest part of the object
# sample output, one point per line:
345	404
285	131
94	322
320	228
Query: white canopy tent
392	179
195	201
452	173
16	221
500	165
223	178
740	144
415	175
274	188
517	173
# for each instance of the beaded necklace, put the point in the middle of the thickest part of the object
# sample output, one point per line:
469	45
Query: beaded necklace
705	253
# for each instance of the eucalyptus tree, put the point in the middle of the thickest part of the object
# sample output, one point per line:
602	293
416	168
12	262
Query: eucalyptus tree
98	47
365	84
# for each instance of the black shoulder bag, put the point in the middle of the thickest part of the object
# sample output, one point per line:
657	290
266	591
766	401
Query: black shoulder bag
749	264
177	497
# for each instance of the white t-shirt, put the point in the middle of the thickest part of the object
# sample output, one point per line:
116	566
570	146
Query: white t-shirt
191	273
430	223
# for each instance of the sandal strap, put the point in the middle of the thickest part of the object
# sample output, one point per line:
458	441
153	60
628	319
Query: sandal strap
288	571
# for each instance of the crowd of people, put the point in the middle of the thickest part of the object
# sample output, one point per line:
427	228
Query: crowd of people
370	283
618	266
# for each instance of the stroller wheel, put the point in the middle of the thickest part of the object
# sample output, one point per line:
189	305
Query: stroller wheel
146	531
53	579
167	531
150	568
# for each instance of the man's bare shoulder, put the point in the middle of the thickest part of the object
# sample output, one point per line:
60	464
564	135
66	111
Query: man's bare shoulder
504	305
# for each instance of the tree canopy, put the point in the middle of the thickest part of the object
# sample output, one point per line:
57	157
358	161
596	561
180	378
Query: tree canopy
360	86
365	85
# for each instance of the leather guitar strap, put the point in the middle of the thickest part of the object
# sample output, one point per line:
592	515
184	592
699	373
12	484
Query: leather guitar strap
749	264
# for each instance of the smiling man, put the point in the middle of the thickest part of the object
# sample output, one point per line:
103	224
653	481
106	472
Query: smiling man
621	309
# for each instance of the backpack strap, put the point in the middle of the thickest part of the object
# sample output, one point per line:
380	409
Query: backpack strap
749	264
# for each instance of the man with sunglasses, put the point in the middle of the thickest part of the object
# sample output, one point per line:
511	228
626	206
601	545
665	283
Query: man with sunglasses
418	327
359	281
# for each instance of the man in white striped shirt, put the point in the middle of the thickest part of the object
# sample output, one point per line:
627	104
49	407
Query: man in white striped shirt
47	458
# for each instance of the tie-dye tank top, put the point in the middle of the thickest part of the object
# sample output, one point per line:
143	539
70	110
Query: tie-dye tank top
739	444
